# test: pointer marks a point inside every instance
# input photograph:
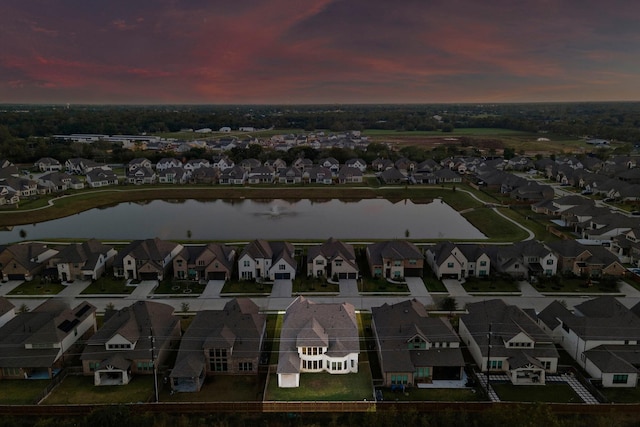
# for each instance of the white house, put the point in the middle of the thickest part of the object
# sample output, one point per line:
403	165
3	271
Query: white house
267	260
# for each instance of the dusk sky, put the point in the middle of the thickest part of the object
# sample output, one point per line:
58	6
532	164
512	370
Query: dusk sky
318	51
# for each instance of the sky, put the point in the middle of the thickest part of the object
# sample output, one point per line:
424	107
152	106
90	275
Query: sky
318	51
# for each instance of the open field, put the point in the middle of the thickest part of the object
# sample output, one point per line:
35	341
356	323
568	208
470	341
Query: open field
80	389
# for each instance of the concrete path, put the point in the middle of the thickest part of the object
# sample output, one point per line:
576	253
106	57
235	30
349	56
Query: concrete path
212	290
282	289
142	290
455	288
418	290
5	288
576	385
73	290
349	288
528	290
628	290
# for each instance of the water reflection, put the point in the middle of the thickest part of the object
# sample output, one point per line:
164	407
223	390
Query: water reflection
250	219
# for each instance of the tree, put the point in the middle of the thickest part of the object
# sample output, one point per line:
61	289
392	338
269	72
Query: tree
24	308
189	234
23	233
448	304
184	307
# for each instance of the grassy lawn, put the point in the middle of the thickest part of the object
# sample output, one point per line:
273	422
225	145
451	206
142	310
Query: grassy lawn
222	388
246	287
557	393
493	226
274	326
186	287
622	395
108	285
80	389
381	286
432	283
324	386
577	285
432	394
493	284
21	392
313	284
37	287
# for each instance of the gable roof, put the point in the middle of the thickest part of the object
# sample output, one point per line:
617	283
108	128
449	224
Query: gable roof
393	249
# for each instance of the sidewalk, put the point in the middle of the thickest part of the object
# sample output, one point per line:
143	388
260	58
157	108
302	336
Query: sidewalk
455	288
5	288
143	289
213	289
73	289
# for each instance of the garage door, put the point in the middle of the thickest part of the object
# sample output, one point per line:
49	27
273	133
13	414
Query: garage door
216	275
15	276
352	276
342	275
148	276
283	276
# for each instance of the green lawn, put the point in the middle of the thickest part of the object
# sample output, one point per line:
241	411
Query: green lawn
21	392
432	283
80	389
246	287
222	388
381	286
622	395
108	285
432	394
37	287
313	284
557	393
324	386
574	285
492	284
185	287
494	226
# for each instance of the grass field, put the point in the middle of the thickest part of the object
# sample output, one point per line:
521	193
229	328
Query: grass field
21	392
558	393
80	389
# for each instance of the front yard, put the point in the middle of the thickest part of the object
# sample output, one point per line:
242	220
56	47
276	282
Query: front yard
108	285
560	284
37	286
380	285
324	386
180	287
222	388
304	284
493	284
248	287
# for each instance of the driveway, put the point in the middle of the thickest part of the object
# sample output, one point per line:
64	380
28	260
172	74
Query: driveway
454	287
349	288
143	289
213	289
73	289
418	290
528	290
282	289
7	287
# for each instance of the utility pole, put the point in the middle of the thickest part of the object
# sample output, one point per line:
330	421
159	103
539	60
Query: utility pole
153	361
489	336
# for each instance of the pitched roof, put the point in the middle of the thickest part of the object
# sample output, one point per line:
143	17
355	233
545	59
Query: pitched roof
332	249
393	249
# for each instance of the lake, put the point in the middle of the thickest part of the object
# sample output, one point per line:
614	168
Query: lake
250	219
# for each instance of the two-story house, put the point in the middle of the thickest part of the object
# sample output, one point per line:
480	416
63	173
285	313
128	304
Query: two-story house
145	259
82	261
332	259
262	260
395	259
204	262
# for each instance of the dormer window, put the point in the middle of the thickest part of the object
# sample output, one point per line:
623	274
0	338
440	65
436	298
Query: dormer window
119	346
417	343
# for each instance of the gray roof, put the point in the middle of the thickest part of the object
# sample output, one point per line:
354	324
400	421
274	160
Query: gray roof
604	318
47	324
615	359
239	326
262	249
505	321
337	321
146	250
5	306
393	249
553	314
86	253
395	325
332	249
136	323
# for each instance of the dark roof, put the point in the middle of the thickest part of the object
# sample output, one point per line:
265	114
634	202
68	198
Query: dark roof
392	249
396	325
332	249
239	326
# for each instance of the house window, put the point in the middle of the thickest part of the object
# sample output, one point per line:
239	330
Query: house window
246	263
282	267
399	379
549	262
218	360
396	274
422	373
338	263
483	263
200	262
546	364
620	378
11	372
449	265
397	263
495	364
245	366
179	263
93	366
482	273
319	262
413	261
145	366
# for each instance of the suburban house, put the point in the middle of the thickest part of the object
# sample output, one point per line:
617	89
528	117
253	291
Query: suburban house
145	259
82	261
318	175
601	335
349	175
394	259
138	163
317	338
582	260
168	163
23	261
291	175
33	344
235	175
141	175
261	175
132	341
7	311
204	262
219	342
176	175
357	163
458	261
392	176
101	178
48	164
524	260
54	182
332	259
414	348
261	259
504	339
80	166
